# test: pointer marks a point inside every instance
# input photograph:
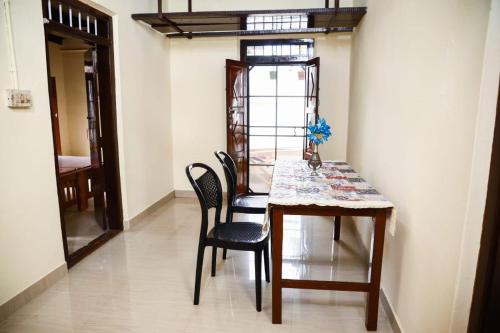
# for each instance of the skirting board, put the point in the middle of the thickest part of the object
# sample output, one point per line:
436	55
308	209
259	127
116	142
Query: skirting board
191	194
173	194
139	217
393	319
30	293
390	312
184	194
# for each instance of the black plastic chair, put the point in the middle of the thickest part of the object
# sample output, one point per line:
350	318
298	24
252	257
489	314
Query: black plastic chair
244	236
249	203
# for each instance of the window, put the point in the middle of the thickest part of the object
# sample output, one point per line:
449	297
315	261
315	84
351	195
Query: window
277	22
276	51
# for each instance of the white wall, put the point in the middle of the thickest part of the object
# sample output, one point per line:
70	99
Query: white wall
415	84
76	104
57	71
483	140
68	70
143	90
199	105
29	217
30	231
198	101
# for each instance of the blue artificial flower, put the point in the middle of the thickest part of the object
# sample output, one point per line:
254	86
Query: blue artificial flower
319	132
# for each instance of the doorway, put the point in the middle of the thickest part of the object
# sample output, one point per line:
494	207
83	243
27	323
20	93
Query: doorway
271	95
277	119
81	91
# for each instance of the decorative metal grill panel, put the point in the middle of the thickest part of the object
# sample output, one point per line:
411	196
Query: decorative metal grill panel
72	15
277	22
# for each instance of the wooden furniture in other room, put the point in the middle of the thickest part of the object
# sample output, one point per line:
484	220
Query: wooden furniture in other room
75	178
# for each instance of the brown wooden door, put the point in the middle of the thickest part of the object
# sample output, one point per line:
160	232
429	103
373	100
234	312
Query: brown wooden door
94	135
312	99
54	111
237	119
92	109
485	308
492	320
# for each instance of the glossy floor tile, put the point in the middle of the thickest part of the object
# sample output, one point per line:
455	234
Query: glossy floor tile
142	281
81	227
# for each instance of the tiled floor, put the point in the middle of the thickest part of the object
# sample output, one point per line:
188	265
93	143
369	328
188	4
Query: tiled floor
142	281
81	227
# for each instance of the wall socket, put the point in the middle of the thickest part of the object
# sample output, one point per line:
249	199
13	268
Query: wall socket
19	99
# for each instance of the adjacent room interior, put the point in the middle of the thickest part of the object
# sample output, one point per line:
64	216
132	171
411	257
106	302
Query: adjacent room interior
82	127
75	132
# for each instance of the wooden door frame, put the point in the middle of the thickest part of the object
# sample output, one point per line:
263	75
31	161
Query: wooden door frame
488	265
230	133
54	111
107	102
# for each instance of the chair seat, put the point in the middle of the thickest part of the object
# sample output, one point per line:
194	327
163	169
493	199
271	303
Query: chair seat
256	204
238	233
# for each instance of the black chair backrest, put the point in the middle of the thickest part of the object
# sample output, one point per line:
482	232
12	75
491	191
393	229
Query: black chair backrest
229	171
209	191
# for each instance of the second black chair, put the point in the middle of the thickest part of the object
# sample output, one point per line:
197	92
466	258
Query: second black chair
247	203
244	236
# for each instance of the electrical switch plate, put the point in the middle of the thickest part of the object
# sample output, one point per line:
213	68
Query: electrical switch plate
19	99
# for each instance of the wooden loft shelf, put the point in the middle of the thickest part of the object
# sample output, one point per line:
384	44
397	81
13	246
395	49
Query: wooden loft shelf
234	23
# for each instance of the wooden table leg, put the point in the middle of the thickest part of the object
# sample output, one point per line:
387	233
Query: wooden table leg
336	234
375	271
277	248
82	197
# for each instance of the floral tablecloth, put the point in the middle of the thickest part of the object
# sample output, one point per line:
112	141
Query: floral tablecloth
337	184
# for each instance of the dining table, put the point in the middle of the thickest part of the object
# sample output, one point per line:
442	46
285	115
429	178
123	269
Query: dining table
335	190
